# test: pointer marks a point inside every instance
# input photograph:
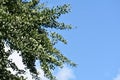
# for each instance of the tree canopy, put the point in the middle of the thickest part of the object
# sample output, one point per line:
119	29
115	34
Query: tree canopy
24	27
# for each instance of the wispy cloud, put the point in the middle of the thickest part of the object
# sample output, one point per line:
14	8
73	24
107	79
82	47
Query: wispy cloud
117	77
65	74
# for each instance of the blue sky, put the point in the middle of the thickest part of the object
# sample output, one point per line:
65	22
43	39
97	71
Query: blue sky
95	44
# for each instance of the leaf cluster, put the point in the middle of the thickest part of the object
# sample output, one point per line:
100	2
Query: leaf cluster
23	26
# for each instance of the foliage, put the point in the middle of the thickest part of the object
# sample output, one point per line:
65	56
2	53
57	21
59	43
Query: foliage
24	27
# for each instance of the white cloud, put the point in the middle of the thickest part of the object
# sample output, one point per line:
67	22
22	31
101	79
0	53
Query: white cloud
63	74
17	59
